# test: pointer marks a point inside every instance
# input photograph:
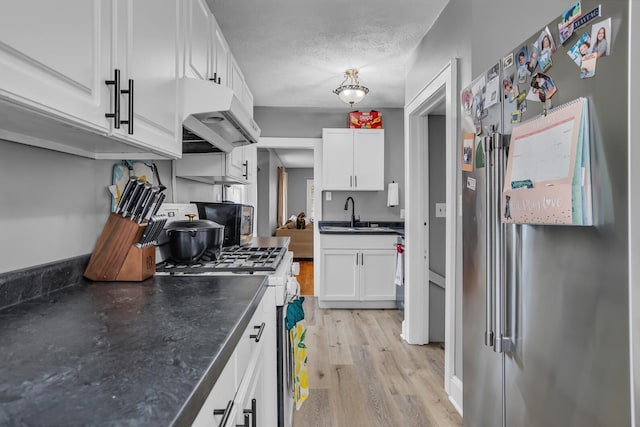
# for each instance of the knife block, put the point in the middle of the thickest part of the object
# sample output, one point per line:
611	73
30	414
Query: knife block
116	256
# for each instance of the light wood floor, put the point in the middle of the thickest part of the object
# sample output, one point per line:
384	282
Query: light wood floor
305	278
362	374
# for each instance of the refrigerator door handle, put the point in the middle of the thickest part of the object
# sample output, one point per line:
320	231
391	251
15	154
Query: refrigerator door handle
502	343
489	279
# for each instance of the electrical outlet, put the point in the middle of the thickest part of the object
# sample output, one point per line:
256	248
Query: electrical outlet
327	195
441	210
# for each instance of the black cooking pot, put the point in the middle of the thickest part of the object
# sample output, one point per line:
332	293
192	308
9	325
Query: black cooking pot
188	240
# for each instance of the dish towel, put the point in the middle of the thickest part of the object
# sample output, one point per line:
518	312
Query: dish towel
392	194
294	322
300	372
399	268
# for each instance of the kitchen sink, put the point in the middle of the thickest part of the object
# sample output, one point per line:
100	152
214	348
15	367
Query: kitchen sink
347	229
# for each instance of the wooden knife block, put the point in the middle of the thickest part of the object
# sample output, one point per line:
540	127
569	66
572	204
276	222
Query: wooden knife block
116	256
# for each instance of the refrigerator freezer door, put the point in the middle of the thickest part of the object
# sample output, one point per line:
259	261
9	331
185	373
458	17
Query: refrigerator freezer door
568	302
482	367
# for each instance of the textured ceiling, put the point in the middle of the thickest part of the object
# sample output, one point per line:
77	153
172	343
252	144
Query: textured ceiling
293	53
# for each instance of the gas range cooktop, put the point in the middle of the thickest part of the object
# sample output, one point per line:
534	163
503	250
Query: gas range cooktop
230	260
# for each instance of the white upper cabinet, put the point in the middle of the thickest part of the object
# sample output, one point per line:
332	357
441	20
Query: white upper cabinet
219	56
353	159
147	52
239	86
199	40
54	58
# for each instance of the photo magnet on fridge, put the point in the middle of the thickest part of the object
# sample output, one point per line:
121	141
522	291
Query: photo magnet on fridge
468	140
467	101
522	56
547	47
507	61
588	68
580	48
600	38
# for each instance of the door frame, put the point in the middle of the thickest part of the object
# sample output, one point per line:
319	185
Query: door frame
314	144
415	328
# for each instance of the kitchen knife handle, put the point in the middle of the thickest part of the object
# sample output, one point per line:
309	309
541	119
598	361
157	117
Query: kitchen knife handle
128	210
125	193
129	121
137	209
146	232
116	99
147	205
161	198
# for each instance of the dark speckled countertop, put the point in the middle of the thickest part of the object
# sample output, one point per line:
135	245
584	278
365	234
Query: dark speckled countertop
113	354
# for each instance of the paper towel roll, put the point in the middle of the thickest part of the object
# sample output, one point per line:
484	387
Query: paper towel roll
392	194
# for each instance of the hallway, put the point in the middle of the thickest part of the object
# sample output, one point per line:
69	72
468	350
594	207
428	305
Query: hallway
361	373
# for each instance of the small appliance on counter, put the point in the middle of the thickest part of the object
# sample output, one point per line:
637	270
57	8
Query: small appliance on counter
236	218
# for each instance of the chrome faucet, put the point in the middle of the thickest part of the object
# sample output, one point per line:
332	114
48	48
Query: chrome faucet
353	208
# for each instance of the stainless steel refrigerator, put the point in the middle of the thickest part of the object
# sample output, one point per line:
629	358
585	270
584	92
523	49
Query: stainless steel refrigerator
545	307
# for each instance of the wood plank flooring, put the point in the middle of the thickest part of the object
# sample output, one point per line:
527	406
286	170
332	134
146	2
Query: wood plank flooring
305	278
361	373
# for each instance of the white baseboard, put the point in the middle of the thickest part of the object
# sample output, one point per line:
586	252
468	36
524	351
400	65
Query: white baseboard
455	395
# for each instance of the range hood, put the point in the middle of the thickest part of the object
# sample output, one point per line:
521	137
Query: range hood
214	119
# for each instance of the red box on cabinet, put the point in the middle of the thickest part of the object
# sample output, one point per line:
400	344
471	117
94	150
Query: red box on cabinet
361	120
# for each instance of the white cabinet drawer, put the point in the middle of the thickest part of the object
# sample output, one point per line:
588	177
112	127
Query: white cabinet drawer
251	340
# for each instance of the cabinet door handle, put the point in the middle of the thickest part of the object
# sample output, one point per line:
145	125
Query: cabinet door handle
225	413
116	98
356	181
362	259
246	421
253	413
129	120
259	334
246	169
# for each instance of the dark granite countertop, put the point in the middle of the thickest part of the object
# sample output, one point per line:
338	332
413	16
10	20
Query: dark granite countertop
114	354
362	227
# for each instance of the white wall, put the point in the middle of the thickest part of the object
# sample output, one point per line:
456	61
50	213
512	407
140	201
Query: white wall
297	191
52	205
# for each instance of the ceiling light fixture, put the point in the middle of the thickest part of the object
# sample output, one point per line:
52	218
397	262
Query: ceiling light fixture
350	90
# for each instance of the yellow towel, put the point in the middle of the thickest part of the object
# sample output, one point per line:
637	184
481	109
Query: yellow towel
299	372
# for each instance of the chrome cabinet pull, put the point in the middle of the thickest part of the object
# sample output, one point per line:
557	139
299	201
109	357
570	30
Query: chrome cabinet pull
225	413
246	170
116	98
350	180
355	179
259	334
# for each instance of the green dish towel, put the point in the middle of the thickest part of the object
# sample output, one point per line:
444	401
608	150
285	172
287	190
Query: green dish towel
295	313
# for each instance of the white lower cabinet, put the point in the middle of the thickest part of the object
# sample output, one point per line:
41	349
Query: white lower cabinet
357	270
245	391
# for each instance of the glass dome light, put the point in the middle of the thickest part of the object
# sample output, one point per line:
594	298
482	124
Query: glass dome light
350	90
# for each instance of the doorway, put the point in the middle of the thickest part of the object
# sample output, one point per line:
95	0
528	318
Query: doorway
312	206
441	90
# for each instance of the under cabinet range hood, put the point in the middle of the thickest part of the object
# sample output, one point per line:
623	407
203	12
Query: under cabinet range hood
214	119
